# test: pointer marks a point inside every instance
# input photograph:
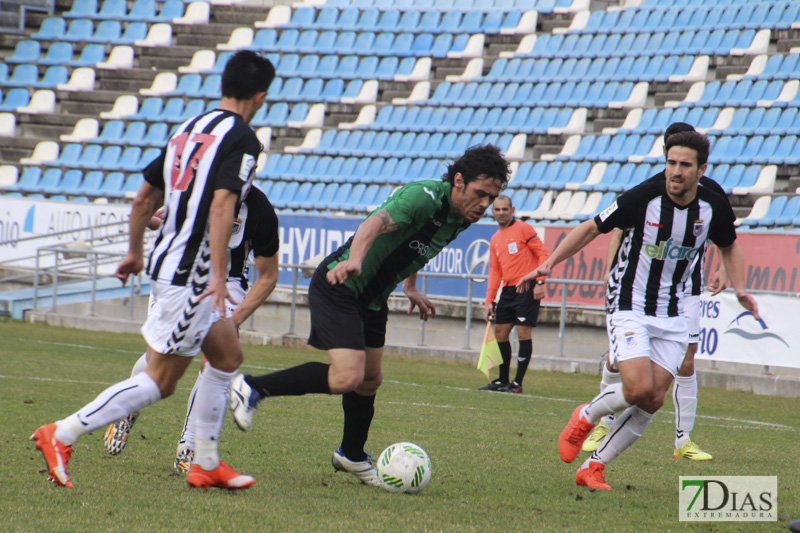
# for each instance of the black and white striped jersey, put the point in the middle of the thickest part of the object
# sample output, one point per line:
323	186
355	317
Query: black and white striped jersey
695	281
255	228
215	150
660	241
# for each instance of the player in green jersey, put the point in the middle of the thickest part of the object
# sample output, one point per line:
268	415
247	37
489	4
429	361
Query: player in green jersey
348	293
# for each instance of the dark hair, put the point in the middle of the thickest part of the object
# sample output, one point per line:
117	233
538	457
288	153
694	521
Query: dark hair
246	74
479	160
691	139
677	127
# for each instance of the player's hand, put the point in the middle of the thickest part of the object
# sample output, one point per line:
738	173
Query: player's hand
157	219
718	282
487	313
417	299
218	290
132	264
749	303
538	292
343	271
523	284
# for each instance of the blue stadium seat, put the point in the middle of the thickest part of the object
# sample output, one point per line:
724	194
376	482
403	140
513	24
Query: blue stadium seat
790	212
70	182
25	52
112	185
52	29
150	109
30	178
49	182
156	135
109	159
775	210
90	55
141	11
89	157
82	9
134	31
23	76
169	10
129	160
14	98
79	30
59	53
90	185
68	157
112	10
132	184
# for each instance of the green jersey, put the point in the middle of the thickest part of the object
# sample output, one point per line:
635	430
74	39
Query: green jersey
426	222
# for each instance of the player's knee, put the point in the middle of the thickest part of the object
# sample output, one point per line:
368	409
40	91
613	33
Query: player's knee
342	381
637	393
370	384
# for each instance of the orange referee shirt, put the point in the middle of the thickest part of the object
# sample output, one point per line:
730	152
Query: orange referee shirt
513	252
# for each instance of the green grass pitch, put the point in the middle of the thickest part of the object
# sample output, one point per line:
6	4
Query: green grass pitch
495	462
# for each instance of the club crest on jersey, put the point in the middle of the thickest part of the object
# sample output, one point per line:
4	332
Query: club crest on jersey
248	164
697	229
630	339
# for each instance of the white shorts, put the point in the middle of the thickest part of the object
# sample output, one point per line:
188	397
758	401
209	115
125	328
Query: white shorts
691	311
633	335
176	321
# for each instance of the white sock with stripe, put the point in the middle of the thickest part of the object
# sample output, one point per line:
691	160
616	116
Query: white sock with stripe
609	378
684	396
114	403
627	429
608	402
208	414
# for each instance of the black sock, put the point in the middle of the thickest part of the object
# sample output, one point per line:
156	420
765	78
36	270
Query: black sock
358	412
523	359
505	352
308	378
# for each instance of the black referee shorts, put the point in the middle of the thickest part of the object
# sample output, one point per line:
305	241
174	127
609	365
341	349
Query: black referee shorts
338	320
515	308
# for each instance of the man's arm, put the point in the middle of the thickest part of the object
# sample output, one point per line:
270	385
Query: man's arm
733	259
574	242
426	307
220	225
613	246
147	200
719	279
267	268
378	224
492	284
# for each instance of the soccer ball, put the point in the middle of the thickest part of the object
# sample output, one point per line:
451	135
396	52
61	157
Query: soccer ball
404	467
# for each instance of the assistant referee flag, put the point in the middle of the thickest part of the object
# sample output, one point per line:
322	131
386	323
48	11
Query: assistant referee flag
490	352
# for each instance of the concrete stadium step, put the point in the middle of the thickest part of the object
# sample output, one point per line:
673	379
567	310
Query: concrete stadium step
14	303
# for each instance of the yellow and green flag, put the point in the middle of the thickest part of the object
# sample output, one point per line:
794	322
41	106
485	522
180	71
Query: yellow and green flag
490	352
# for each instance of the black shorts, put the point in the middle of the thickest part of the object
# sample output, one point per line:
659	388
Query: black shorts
515	308
338	320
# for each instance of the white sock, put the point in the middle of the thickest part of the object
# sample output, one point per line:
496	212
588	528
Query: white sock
684	396
140	365
114	403
608	402
187	435
627	429
609	378
208	414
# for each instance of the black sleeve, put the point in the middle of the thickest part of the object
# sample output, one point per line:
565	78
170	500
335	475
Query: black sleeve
722	231
239	161
717	189
154	172
624	212
262	229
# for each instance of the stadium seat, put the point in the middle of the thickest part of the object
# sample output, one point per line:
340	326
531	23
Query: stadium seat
52	29
25	52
